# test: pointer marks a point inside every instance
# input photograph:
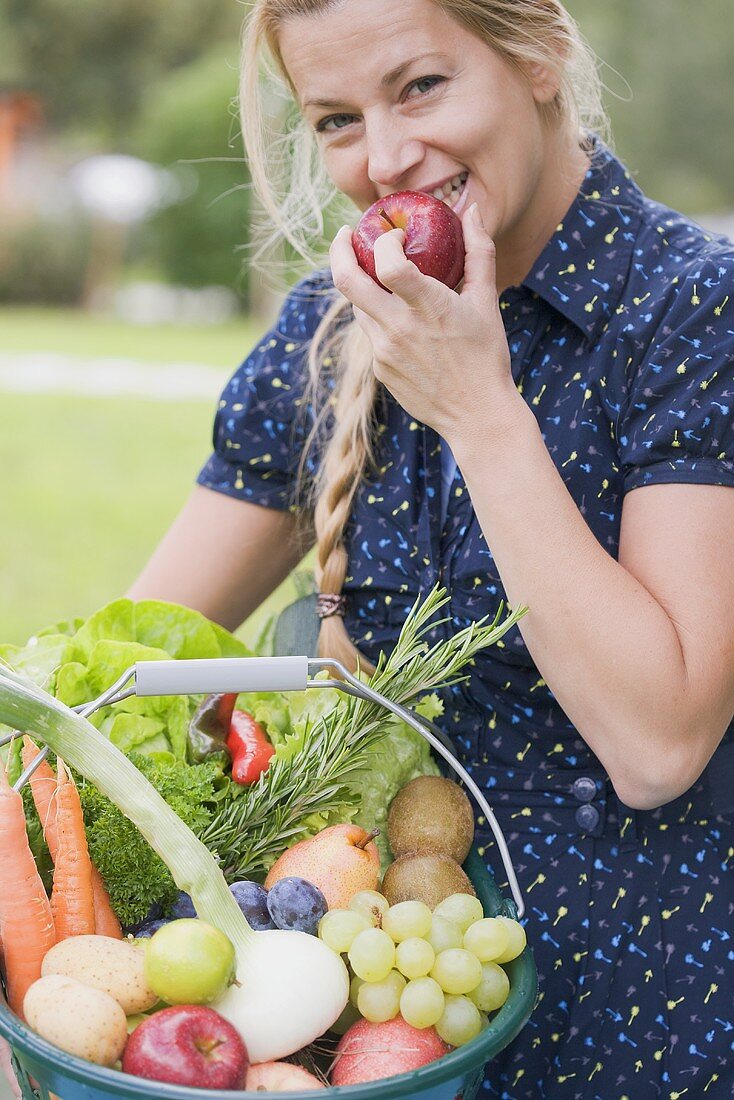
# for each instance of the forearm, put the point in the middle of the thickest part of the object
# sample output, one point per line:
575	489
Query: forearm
221	556
604	645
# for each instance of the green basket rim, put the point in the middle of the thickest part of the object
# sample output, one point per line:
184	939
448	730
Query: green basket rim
502	1029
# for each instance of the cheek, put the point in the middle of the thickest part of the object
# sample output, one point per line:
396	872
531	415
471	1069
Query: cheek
347	170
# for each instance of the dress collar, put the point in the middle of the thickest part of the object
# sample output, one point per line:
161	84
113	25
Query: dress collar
585	265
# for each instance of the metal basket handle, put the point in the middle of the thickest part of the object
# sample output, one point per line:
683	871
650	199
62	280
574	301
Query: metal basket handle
242	674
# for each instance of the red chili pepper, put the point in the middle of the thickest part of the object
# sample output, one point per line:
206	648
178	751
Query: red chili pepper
250	748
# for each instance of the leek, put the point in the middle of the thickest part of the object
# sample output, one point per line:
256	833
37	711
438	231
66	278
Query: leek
276	1012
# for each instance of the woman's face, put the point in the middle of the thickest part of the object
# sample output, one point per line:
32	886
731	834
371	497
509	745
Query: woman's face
403	97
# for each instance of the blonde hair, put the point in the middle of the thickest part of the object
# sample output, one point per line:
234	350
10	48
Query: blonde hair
290	180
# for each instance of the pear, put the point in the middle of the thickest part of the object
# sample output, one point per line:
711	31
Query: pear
424	876
341	860
431	814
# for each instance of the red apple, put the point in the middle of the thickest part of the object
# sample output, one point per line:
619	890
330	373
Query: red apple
368	1052
187	1045
433	237
280	1077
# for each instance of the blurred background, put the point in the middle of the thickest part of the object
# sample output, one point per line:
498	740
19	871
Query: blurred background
125	295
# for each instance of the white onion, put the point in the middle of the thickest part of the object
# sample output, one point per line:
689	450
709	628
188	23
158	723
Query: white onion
292	989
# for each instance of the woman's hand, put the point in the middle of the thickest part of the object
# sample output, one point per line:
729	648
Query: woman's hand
443	355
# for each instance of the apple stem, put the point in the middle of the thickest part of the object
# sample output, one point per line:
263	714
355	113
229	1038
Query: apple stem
208	1047
384	214
367	839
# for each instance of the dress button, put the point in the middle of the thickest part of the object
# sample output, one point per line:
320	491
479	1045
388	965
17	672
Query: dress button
584	789
587	818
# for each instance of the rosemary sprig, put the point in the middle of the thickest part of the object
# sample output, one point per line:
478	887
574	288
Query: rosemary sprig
251	831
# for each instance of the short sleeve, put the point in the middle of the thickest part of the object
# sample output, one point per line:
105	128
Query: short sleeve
678	423
261	426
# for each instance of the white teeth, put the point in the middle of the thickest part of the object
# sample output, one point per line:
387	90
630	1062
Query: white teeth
451	190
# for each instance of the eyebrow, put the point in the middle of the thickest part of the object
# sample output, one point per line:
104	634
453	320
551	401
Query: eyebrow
387	80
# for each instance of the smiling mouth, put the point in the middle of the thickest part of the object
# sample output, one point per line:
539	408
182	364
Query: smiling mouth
452	190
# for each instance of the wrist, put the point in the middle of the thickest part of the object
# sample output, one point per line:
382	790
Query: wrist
491	425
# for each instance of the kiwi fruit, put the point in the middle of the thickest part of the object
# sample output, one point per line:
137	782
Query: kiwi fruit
431	814
424	876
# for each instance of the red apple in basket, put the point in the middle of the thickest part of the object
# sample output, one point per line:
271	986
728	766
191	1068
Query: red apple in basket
369	1052
433	236
187	1045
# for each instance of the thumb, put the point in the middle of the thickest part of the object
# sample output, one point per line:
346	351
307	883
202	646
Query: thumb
480	263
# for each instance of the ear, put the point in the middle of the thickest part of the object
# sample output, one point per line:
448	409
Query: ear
545	82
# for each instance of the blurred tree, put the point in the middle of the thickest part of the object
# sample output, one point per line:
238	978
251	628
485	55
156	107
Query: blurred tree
672	123
91	61
42	260
188	124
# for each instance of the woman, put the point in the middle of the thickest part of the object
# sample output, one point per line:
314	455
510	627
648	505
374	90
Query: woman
558	433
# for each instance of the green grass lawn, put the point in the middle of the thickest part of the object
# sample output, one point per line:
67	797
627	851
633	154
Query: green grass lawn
71	332
89	485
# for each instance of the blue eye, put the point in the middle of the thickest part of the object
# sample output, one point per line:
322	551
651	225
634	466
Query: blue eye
431	81
338	121
331	123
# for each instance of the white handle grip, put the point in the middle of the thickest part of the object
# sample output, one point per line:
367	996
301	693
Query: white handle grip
205	677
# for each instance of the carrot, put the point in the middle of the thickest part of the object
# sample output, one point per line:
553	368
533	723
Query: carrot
43	786
105	918
26	921
72	897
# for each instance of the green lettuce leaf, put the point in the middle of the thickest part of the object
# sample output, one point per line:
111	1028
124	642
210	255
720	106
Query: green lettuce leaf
39	658
183	634
113	623
79	659
68	627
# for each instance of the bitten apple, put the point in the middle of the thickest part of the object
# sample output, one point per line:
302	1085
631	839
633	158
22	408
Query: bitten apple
434	240
187	1045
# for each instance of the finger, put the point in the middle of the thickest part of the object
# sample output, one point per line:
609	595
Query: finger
480	264
400	275
369	327
349	278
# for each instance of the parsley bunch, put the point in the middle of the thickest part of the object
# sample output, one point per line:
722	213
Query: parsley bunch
137	879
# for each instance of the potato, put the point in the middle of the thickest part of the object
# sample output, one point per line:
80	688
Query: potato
81	1020
114	966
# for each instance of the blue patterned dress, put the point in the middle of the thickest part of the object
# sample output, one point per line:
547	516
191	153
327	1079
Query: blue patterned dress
622	342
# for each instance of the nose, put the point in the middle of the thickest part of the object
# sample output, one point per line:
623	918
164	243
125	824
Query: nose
391	151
